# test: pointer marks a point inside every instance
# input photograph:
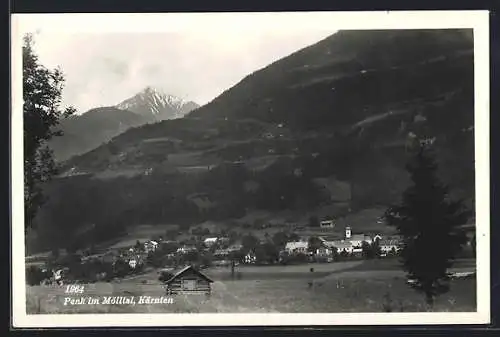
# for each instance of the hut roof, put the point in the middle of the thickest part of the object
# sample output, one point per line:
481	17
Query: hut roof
178	272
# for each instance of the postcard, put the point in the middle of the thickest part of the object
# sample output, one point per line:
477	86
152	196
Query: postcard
250	169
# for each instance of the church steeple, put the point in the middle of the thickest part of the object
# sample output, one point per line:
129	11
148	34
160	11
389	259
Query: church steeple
348	232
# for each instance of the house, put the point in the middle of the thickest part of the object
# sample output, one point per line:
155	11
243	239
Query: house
186	249
166	243
134	260
250	258
223	240
345	247
188	280
389	245
358	239
210	241
132	263
150	246
221	252
327	224
297	247
340	246
58	276
235	247
357	250
324	251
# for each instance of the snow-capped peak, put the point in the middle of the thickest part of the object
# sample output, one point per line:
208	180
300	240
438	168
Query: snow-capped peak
151	101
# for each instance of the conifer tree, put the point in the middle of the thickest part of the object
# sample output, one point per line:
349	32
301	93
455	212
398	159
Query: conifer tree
429	224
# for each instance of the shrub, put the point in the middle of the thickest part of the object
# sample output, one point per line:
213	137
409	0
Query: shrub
121	269
35	275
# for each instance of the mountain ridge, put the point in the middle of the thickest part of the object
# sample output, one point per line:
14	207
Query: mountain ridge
82	133
343	113
156	105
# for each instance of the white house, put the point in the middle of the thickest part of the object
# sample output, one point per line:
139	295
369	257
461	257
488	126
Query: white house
340	246
210	241
357	249
324	251
358	239
297	247
58	276
388	246
186	249
250	258
150	246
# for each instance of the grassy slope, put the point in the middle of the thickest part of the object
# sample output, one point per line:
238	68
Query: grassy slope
342	291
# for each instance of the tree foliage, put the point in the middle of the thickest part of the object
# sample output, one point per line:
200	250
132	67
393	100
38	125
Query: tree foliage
266	253
249	242
314	244
42	90
35	275
280	239
371	251
428	222
314	221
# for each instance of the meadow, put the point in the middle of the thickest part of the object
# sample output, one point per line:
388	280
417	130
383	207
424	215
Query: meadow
354	286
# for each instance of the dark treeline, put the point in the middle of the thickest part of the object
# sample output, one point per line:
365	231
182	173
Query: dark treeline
83	210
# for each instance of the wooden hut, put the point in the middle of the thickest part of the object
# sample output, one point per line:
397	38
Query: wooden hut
188	280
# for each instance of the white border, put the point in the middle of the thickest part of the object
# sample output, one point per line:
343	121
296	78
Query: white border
99	23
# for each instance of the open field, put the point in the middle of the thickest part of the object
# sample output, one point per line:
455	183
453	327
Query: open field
353	286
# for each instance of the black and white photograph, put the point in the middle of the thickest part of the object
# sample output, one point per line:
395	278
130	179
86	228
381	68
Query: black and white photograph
308	168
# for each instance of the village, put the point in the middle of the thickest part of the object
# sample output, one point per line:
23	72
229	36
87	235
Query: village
180	259
229	264
206	250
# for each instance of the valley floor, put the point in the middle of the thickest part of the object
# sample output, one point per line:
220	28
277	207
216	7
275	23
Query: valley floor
355	286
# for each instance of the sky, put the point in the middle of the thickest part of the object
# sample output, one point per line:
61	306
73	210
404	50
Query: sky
192	60
109	57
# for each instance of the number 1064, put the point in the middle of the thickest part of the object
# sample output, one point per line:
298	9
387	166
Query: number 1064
74	289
